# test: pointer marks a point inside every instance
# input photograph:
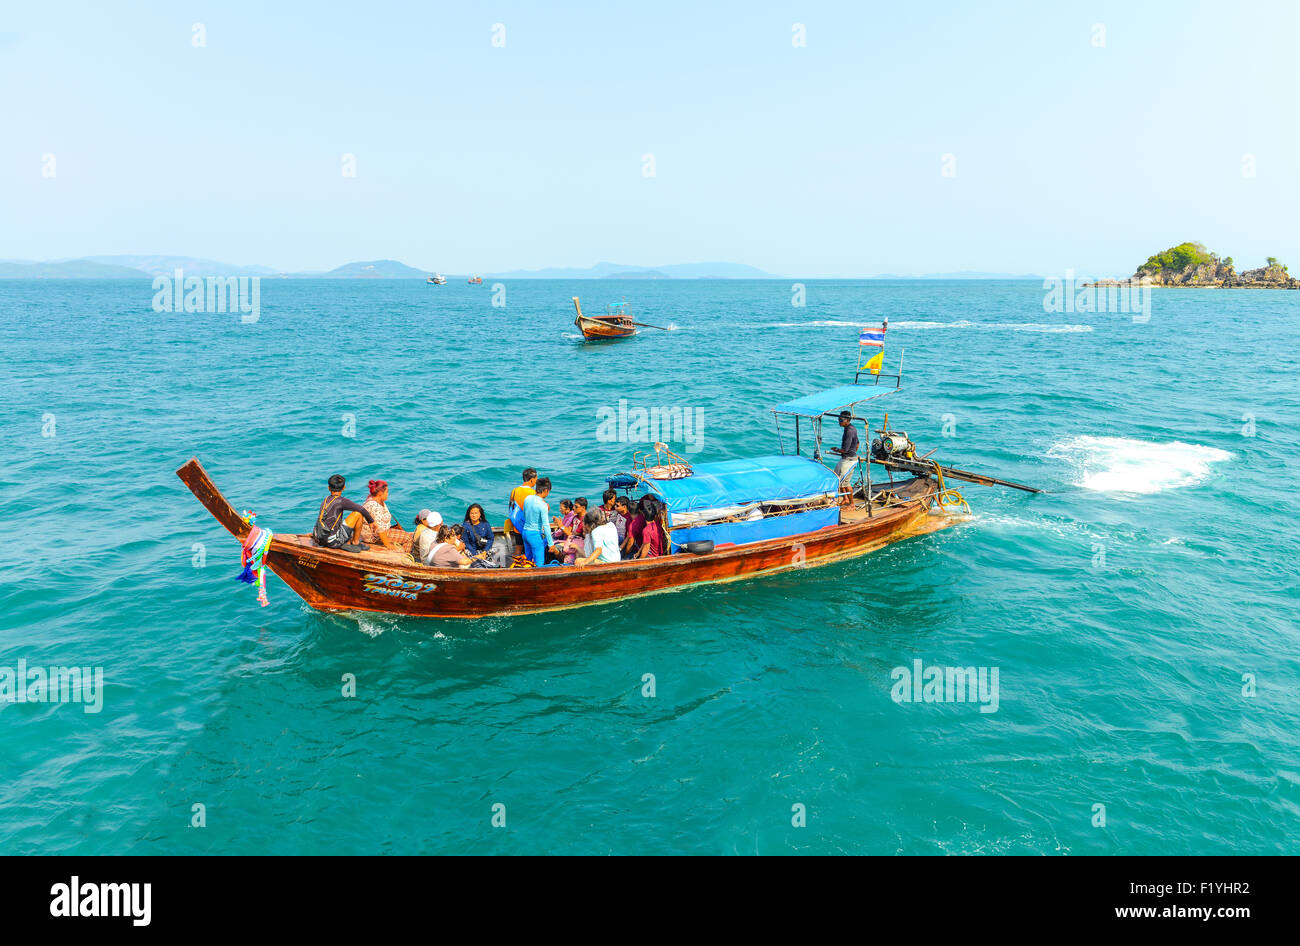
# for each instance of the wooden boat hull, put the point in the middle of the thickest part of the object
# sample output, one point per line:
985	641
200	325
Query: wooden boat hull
596	327
333	580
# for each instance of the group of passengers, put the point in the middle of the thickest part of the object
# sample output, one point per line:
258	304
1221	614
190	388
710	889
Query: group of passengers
468	545
581	535
616	530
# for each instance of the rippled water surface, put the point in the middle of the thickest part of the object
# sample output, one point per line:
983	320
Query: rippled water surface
1126	611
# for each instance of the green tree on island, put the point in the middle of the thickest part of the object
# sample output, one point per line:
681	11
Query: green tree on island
1179	258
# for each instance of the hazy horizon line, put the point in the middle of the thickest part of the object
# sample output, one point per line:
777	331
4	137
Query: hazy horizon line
542	272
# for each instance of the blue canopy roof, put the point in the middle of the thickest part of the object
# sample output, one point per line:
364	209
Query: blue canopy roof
737	482
833	399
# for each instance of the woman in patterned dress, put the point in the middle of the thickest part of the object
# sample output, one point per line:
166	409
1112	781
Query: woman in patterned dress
384	529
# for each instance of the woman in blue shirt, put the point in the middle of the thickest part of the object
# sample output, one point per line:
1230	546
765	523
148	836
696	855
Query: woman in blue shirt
477	533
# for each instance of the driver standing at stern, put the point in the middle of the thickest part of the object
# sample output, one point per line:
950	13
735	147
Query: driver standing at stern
848	451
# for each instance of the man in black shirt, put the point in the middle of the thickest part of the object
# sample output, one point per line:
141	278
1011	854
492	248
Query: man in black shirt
848	451
339	518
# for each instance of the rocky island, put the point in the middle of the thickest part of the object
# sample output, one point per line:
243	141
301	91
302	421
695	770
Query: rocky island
1191	265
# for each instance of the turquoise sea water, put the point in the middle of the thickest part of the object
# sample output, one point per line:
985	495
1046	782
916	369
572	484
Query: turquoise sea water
1121	609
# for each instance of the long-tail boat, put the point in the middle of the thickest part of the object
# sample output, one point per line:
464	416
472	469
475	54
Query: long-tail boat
616	323
726	521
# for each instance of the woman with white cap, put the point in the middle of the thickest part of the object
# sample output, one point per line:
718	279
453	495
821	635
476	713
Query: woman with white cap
427	524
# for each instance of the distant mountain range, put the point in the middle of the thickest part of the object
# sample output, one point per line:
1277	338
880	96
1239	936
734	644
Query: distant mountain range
137	267
372	269
166	265
68	269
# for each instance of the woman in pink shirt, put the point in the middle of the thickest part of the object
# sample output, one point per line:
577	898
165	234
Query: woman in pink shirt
654	540
631	547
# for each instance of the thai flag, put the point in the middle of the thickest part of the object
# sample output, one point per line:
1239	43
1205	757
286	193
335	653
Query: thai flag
875	337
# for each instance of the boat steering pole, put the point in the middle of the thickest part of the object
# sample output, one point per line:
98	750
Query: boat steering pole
921	469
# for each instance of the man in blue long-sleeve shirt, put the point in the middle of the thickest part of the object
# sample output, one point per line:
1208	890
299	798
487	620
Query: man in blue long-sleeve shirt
537	523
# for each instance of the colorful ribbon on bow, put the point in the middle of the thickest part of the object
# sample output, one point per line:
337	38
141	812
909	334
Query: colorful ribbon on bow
253	556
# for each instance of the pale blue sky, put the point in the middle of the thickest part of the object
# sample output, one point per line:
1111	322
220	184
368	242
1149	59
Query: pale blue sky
816	161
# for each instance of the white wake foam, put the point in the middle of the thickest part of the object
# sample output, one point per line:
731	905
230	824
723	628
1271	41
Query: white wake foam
1049	327
1121	465
371	623
1045	327
820	322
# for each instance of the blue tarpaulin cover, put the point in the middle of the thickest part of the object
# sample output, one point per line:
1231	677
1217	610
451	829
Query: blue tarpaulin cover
742	533
833	399
738	482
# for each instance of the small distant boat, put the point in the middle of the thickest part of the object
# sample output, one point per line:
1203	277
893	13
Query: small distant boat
437	279
616	323
475	280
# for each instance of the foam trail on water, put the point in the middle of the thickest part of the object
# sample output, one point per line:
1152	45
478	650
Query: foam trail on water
1047	327
1043	327
815	323
372	624
1121	465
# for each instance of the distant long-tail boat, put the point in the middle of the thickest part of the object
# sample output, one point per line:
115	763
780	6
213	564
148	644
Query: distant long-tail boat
727	521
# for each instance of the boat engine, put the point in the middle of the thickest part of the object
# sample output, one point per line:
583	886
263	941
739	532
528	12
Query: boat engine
892	445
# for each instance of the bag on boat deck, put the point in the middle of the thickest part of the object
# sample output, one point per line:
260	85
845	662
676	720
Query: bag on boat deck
515	513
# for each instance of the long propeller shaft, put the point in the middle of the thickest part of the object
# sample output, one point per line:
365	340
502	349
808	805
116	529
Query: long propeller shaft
913	466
